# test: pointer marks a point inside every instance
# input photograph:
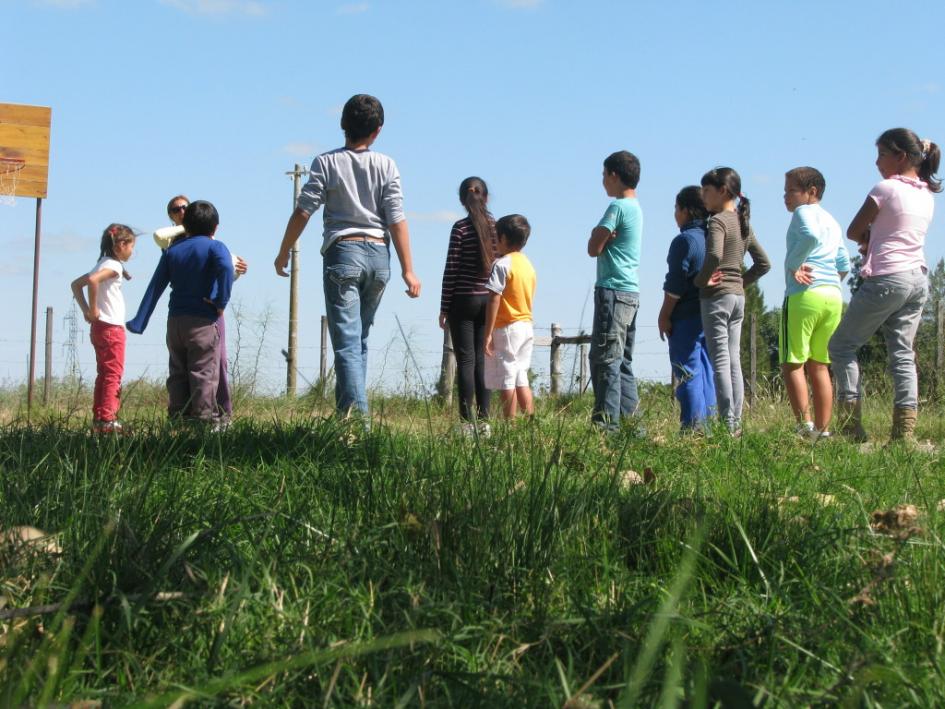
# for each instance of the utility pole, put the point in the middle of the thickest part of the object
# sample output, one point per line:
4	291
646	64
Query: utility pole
292	358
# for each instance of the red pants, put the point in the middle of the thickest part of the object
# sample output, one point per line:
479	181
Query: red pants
109	343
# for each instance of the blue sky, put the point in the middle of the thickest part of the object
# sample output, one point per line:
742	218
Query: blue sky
219	98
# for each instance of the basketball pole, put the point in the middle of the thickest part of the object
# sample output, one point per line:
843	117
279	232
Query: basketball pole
29	386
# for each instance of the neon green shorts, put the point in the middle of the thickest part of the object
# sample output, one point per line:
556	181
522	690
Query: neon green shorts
808	320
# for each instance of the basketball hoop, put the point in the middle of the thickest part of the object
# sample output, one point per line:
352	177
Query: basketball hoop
9	170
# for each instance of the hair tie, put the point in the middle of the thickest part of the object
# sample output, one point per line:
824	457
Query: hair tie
926	147
741	196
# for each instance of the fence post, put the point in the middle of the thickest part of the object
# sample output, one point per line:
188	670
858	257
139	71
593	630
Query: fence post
939	342
48	374
555	359
323	355
444	387
752	359
583	368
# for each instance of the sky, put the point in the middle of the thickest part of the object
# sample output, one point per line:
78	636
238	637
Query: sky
219	99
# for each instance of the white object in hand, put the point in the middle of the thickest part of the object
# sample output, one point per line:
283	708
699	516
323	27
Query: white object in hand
165	236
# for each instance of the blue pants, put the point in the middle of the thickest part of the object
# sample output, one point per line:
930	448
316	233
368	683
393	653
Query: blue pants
355	274
695	388
611	355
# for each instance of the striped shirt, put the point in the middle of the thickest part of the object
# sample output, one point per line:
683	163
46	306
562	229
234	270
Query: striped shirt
464	273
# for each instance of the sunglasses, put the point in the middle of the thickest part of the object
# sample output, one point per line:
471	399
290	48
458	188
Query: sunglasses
179	208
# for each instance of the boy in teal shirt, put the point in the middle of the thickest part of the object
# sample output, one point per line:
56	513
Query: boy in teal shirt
615	243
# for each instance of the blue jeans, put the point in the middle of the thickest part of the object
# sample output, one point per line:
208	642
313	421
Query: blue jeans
355	274
695	388
611	355
722	317
894	303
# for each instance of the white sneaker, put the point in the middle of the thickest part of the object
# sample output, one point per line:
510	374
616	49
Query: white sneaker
485	430
805	429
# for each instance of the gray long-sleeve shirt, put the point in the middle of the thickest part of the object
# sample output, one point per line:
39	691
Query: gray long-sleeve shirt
725	251
360	190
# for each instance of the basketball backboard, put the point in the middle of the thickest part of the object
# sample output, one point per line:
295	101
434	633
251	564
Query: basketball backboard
24	135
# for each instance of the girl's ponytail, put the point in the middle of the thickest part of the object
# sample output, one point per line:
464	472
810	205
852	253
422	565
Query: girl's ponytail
744	215
923	155
113	234
931	156
474	195
726	178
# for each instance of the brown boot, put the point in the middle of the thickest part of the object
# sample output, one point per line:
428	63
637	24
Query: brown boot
903	425
850	420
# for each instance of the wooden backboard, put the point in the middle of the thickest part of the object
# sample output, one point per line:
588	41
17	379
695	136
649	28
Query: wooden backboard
24	134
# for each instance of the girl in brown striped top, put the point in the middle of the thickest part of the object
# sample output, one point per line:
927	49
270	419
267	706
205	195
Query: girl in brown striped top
464	298
722	286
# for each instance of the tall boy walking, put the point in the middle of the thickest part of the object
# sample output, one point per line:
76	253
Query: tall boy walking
615	243
360	190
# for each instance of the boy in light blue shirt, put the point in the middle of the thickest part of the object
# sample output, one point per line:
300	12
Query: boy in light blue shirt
615	243
815	264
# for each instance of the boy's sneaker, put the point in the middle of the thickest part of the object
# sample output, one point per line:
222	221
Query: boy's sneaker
485	430
106	427
805	429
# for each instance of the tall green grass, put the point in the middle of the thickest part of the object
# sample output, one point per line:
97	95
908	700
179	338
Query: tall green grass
303	562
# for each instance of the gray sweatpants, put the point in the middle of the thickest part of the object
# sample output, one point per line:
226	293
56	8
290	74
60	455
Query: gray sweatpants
894	303
193	366
722	318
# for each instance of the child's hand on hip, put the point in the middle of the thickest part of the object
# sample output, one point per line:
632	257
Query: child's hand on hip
804	274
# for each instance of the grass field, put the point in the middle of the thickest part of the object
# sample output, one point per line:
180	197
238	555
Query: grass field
295	561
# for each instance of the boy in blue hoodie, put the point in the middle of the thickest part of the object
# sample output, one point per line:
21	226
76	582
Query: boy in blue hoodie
199	270
815	264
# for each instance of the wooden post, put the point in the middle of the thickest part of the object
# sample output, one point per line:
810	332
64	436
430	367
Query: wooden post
753	360
292	360
323	354
583	368
48	373
555	359
444	387
939	343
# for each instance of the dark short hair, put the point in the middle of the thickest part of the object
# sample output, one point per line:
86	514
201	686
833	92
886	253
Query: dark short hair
626	166
361	116
807	177
201	218
515	228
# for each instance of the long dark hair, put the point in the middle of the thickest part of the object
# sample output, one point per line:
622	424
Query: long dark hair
114	234
474	194
690	201
924	155
727	178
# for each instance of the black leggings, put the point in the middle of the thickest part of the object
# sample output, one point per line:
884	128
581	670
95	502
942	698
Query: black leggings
467	322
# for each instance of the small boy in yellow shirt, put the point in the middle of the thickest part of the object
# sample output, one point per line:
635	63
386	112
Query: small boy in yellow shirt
510	336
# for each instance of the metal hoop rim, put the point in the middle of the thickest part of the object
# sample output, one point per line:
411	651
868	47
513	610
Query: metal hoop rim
8	165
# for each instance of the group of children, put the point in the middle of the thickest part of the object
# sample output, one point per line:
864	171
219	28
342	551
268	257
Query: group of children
488	287
704	297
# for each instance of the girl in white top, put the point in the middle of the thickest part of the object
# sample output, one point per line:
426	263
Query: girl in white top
890	229
105	312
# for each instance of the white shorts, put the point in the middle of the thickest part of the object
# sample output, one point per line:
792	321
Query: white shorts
508	367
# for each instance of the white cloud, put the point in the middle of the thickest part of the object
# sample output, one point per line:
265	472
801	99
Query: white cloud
64	4
443	216
252	8
353	8
301	150
520	4
930	87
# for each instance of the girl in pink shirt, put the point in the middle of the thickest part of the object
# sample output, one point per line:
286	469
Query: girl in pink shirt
890	229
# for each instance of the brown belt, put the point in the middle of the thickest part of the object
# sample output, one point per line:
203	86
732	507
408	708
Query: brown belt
363	237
